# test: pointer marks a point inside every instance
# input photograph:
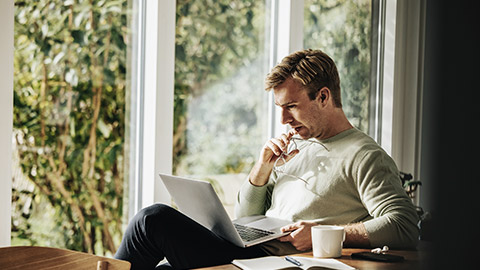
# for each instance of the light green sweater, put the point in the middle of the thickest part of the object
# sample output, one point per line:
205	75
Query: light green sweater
355	180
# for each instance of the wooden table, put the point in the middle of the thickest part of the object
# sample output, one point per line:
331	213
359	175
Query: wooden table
414	259
28	257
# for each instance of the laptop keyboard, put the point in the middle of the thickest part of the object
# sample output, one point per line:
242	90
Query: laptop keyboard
250	233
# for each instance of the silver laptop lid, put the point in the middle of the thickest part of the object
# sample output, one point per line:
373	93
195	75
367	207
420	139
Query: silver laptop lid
197	199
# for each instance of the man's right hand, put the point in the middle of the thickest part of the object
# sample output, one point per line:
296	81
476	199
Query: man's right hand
271	152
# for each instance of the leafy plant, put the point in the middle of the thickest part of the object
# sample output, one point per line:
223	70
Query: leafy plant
409	184
69	119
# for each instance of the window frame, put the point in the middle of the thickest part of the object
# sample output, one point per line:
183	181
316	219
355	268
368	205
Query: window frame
286	38
401	127
154	59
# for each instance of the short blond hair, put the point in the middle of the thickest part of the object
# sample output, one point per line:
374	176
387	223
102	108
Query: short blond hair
312	68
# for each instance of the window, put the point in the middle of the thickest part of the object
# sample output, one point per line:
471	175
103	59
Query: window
223	50
69	125
342	29
217	131
220	105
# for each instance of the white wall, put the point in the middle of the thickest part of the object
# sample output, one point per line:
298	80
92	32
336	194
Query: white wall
6	117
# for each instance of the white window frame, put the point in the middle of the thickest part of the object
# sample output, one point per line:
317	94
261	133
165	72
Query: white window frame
159	76
154	58
401	105
287	37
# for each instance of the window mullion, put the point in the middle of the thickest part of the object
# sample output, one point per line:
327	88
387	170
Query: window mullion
152	102
287	24
158	100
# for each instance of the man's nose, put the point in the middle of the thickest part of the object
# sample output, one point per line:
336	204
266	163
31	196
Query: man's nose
286	117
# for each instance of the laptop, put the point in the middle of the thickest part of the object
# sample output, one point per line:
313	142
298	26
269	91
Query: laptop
198	200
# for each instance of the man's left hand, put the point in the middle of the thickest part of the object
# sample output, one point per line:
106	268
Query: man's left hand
301	236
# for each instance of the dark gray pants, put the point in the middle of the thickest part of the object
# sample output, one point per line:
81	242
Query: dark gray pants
159	231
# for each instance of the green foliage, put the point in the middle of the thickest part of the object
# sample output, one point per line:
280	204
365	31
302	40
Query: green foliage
219	61
342	29
69	122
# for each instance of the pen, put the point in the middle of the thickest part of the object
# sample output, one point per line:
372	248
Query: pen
292	260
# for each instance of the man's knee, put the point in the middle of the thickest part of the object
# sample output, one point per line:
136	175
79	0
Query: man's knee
152	216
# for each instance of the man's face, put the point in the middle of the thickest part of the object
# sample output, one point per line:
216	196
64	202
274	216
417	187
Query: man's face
302	114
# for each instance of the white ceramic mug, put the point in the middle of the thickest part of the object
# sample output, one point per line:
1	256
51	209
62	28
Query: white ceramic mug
327	241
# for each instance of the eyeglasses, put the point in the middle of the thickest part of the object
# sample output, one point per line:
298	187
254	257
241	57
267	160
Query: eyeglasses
280	169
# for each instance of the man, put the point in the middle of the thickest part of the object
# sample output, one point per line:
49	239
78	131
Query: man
334	175
359	187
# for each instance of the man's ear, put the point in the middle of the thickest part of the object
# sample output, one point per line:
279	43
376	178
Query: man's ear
323	95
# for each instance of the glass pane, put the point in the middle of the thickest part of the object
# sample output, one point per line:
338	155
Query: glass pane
342	29
220	120
69	165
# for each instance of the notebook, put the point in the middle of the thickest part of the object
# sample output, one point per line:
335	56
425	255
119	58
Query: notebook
198	200
276	262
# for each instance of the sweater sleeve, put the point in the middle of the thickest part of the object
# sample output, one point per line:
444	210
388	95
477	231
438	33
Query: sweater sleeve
395	219
253	200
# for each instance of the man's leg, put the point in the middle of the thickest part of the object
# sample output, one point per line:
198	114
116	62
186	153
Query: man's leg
159	232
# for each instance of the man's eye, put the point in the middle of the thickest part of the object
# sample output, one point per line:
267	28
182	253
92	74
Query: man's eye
289	107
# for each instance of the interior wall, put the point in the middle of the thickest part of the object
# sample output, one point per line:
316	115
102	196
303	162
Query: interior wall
428	171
